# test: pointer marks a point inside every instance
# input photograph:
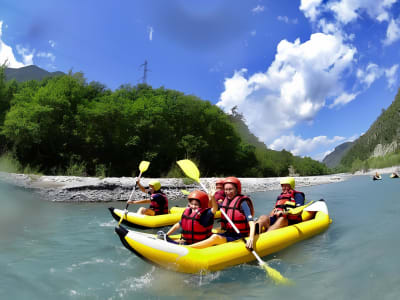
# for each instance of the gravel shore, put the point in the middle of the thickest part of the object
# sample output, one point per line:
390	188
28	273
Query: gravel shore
92	189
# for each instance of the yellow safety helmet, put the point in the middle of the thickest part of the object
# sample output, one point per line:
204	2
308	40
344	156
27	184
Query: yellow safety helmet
156	184
288	180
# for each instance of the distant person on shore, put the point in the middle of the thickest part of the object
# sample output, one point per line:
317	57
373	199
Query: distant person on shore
239	209
219	193
278	217
197	220
158	200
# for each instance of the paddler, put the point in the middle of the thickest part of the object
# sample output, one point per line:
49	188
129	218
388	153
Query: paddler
239	209
197	219
158	200
219	193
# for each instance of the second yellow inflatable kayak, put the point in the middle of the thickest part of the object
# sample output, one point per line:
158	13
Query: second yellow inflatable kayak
133	219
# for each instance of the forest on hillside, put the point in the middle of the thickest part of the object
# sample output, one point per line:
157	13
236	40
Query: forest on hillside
384	131
66	126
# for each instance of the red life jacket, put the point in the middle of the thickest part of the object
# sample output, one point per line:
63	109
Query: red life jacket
219	195
236	214
192	230
159	210
287	200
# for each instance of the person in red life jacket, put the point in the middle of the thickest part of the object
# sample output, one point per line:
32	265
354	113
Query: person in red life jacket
219	193
239	209
158	200
278	218
197	220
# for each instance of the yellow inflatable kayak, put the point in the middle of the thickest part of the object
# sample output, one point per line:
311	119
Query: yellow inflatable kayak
189	260
133	219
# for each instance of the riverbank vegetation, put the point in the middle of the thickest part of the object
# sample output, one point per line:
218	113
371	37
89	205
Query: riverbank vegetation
66	126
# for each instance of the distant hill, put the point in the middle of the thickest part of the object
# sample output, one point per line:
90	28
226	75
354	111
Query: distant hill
240	125
333	159
382	138
31	72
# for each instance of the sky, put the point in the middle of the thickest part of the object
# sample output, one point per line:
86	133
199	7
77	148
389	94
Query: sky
307	75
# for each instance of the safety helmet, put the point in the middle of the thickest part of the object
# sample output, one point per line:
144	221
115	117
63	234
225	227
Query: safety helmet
288	180
235	181
200	196
220	181
156	184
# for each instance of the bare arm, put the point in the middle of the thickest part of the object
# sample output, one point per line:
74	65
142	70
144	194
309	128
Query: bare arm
141	187
250	239
174	228
214	205
139	201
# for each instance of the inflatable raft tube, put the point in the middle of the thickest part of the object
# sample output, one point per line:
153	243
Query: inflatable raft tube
189	260
135	220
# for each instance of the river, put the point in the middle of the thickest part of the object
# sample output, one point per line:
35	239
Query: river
70	251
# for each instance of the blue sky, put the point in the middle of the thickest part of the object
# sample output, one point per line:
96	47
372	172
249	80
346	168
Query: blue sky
307	75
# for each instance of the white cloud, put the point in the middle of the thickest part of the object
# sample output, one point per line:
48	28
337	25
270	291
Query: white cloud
349	10
343	99
253	33
373	72
391	75
286	20
293	89
310	8
151	31
258	9
6	53
47	55
52	43
301	147
392	32
27	55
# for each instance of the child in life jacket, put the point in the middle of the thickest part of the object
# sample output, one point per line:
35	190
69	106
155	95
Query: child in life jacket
278	218
239	209
197	219
158	200
219	193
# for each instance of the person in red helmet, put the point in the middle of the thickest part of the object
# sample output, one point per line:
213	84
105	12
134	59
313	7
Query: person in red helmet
239	209
197	219
219	193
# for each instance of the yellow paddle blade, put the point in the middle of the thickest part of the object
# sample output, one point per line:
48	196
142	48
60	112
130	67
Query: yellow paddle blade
276	276
190	169
298	210
185	192
143	166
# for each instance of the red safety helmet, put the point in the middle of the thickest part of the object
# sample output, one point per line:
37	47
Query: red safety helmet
220	181
200	196
235	181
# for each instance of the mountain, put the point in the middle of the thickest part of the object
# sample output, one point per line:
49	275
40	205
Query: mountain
382	138
31	72
333	159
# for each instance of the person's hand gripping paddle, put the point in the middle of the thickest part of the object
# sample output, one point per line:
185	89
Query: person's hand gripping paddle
143	166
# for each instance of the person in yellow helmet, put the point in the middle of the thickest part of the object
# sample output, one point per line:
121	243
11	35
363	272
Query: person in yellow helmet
158	200
278	217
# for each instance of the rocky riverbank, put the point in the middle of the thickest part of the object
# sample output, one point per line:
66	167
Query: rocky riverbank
92	189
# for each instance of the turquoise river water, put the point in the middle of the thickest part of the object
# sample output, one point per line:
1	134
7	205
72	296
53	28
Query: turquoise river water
70	251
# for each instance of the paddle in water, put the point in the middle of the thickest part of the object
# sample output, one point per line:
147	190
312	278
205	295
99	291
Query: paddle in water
143	166
191	171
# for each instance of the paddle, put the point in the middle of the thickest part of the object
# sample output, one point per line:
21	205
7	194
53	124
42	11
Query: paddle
185	192
143	166
191	171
